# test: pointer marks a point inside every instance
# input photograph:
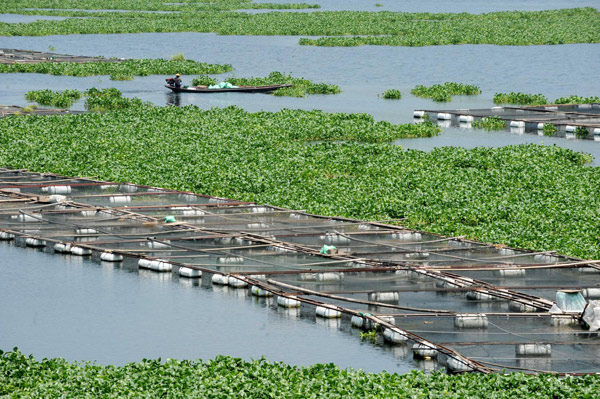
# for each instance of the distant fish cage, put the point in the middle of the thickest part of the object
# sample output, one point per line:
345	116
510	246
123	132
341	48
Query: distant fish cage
566	118
448	301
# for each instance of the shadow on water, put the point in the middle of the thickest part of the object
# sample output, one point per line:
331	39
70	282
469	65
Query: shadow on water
174	99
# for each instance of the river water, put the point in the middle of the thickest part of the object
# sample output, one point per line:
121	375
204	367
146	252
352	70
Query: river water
80	310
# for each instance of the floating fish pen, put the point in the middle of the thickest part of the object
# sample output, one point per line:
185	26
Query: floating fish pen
15	56
437	301
6	110
569	120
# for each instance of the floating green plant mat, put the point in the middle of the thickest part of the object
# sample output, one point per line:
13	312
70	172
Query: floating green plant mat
118	70
228	377
343	28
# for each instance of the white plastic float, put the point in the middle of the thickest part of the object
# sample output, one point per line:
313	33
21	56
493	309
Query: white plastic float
419	114
220	279
257	291
230	259
327	313
470	320
457	366
424	351
189	272
119	199
286	302
34	242
62	248
235	282
59	190
394	337
533	350
510	272
111	257
79	251
390	296
329	277
444	116
465	118
6	236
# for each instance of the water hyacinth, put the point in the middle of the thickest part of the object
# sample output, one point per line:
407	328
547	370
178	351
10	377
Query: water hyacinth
342	28
122	70
60	99
226	376
329	164
444	92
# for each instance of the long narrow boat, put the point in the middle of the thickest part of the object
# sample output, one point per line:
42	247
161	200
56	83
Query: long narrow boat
247	89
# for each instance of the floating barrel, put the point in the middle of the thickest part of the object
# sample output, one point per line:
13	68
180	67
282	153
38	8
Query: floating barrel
307	276
454	365
327	313
470	320
334	238
540	126
551	108
26	218
424	351
59	190
111	257
444	116
220	279
189	272
88	213
416	255
545	259
570	129
521	307
128	188
6	236
394	337
160	266
286	302
108	186
407	236
402	273
517	124
260	209
365	226
506	251
329	277
558	321
257	291
85	231
418	275
596	131
368	324
389	296
357	321
479	296
158	244
119	199
279	249
193	212
230	259
55	198
533	350
79	251
258	226
34	242
591	292
510	272
588	270
419	114
298	216
235	282
465	118
62	248
144	263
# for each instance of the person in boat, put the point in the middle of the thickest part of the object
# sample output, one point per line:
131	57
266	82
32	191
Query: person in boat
177	80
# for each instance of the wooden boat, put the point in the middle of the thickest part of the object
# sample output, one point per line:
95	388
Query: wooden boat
245	89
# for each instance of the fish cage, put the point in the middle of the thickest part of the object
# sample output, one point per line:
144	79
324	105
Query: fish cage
446	302
568	120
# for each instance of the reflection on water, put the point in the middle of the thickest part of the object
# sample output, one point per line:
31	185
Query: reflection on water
174	99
